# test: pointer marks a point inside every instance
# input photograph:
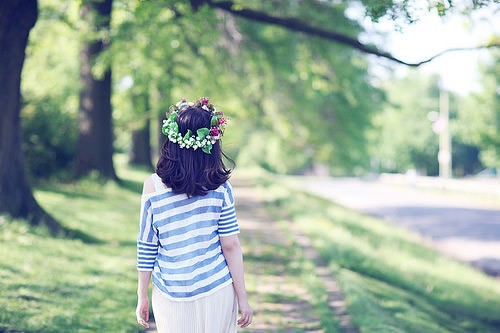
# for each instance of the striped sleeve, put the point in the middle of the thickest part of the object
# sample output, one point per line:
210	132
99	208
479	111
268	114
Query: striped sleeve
147	240
228	224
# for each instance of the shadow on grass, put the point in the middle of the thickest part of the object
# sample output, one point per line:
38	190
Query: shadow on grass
67	192
61	231
75	234
127	243
130	185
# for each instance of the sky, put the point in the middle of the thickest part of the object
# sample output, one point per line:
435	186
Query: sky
432	34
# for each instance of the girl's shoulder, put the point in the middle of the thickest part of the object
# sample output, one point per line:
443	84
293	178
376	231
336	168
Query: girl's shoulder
226	186
152	185
148	186
158	183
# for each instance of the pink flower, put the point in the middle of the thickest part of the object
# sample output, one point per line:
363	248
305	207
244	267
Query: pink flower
204	101
214	131
183	99
222	121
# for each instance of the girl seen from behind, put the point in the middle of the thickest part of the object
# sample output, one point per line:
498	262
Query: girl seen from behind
188	239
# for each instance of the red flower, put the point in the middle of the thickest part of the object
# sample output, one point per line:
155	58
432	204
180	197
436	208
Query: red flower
222	121
214	131
204	101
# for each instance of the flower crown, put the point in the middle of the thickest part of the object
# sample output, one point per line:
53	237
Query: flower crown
205	137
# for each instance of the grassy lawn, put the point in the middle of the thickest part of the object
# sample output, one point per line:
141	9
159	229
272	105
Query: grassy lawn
65	285
52	284
392	282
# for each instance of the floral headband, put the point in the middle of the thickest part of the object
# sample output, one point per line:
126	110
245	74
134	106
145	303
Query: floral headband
205	137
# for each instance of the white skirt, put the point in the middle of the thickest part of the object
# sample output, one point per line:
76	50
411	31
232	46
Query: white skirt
215	313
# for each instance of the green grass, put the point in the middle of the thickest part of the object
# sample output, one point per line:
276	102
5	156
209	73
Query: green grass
391	280
68	285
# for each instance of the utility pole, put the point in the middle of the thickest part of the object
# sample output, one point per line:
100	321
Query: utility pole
444	154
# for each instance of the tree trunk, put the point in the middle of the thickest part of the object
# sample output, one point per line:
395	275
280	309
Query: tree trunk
17	17
140	152
95	143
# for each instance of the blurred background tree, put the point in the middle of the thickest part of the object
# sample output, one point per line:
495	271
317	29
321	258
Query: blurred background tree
50	93
402	137
291	75
478	116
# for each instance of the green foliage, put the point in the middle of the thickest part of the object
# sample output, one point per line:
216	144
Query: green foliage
270	82
304	101
50	92
408	11
49	138
402	138
478	116
296	101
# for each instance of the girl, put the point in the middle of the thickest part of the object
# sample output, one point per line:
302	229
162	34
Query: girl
188	239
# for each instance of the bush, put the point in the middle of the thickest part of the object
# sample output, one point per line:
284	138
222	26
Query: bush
49	138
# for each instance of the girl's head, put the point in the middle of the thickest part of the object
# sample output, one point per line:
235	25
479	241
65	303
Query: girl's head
180	166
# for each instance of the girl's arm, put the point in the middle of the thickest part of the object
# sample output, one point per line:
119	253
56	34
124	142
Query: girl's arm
142	310
232	252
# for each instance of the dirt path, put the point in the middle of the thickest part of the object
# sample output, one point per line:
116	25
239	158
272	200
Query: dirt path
280	301
279	298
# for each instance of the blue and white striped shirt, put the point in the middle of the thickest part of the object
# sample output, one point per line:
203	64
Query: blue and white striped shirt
179	240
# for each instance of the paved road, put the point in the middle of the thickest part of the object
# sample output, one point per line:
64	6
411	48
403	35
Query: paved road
465	229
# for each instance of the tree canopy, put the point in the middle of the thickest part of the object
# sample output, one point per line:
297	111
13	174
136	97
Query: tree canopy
291	75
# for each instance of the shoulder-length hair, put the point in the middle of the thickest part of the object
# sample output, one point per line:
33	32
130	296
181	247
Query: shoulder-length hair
189	171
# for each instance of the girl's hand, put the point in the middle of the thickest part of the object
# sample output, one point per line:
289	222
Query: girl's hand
246	314
142	311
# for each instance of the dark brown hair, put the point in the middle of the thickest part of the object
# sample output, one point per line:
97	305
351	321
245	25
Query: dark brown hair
192	171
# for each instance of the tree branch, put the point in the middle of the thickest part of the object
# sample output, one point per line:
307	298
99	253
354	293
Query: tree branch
296	24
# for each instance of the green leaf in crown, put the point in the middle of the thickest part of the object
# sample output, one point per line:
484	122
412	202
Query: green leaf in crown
187	135
214	121
165	130
207	149
202	132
